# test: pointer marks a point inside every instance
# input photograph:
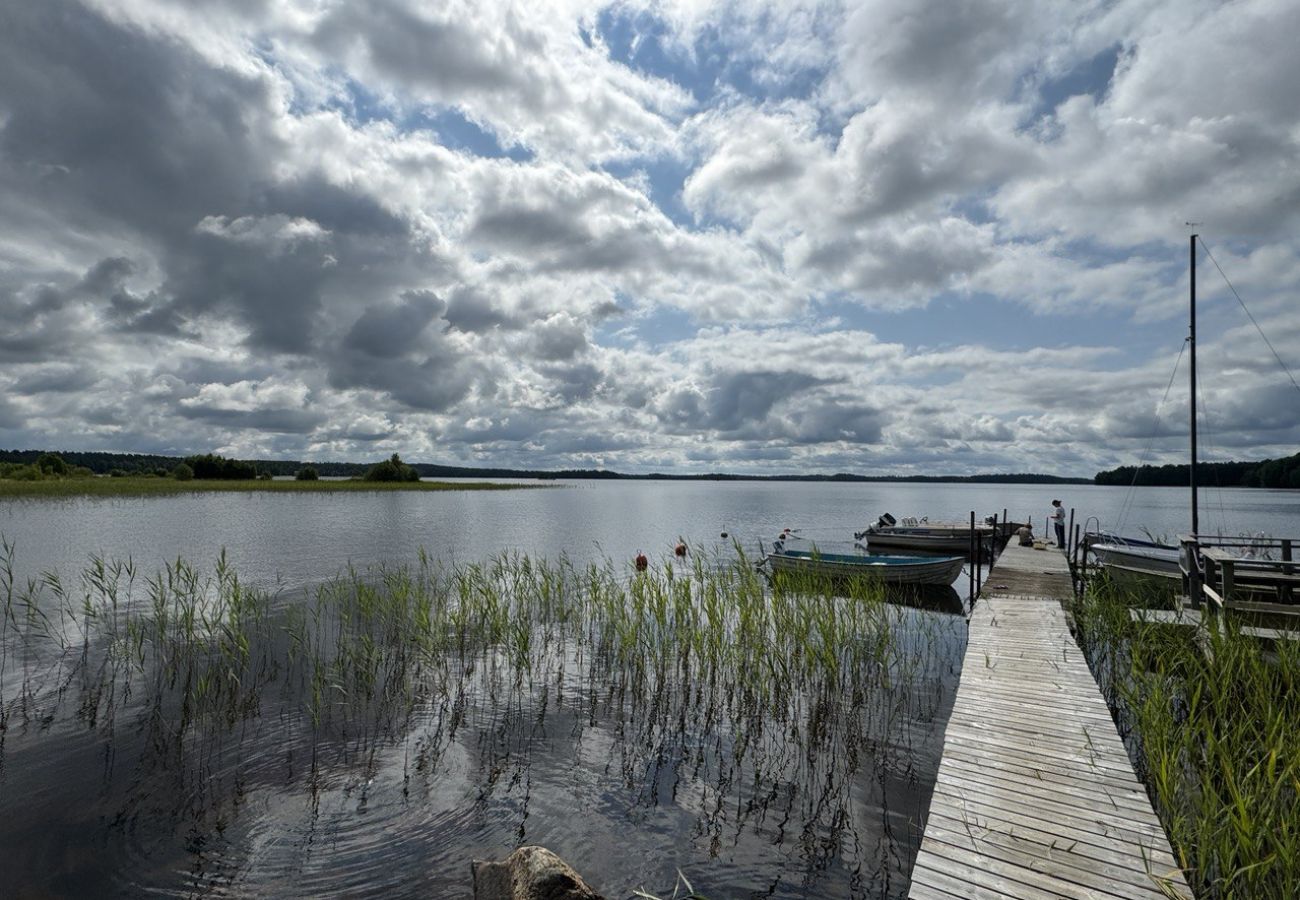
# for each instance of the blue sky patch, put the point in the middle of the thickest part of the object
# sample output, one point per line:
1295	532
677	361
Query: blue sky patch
456	132
666	178
1091	77
713	66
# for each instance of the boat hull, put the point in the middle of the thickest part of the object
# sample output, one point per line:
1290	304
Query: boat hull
886	569
932	540
1132	560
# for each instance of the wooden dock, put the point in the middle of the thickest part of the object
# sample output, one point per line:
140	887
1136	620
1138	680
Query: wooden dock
1035	796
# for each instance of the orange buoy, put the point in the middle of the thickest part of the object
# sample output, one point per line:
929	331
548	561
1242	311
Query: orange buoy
641	562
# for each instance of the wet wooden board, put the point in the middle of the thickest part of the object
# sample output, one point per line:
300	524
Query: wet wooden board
1036	797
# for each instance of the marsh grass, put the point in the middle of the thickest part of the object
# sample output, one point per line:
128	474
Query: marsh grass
1213	721
135	486
758	708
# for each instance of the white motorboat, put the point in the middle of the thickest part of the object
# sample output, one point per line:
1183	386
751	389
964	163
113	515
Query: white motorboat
921	534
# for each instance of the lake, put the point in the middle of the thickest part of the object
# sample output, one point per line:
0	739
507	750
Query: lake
299	539
766	745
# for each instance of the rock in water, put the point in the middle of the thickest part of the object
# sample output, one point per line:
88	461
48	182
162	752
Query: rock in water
530	873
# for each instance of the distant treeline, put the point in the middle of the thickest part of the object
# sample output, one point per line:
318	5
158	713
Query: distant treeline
205	466
1268	473
209	466
1009	478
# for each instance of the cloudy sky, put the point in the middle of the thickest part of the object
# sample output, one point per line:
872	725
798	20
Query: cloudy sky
879	236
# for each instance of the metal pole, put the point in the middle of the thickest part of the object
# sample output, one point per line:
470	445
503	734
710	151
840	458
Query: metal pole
1189	558
1074	566
971	566
1285	595
1191	341
1069	533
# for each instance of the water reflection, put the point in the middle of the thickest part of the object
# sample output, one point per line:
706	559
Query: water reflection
185	735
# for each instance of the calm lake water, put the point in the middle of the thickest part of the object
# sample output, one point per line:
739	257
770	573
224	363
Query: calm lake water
111	785
299	539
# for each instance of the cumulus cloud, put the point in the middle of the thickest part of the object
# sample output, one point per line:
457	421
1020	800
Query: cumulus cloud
799	236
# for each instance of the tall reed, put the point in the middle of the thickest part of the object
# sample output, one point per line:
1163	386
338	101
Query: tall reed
764	704
1212	716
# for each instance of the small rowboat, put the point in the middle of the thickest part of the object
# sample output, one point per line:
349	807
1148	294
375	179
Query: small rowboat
887	569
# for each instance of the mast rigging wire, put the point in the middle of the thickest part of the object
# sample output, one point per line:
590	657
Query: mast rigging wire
1248	315
1155	425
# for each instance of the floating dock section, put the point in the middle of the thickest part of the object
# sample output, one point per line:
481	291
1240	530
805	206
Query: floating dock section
1036	797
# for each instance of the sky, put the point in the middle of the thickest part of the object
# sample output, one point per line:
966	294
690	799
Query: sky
884	237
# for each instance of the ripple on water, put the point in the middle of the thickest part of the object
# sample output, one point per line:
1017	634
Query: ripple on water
628	788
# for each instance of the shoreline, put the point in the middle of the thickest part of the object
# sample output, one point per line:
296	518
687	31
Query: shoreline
166	487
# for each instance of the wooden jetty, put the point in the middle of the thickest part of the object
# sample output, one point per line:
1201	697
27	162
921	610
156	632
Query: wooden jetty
1036	797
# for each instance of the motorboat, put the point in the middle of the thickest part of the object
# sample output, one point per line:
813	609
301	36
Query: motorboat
923	535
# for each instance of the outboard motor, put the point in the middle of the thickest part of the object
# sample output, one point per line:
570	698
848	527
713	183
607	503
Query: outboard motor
885	521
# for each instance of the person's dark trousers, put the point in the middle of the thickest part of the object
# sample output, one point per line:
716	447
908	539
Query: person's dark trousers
1060	534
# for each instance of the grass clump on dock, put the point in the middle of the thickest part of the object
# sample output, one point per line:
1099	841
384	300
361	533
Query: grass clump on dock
1211	714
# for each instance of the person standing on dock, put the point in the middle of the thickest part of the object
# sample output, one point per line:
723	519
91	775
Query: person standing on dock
1058	520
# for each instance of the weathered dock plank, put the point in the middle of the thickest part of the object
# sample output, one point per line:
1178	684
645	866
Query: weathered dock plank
1036	797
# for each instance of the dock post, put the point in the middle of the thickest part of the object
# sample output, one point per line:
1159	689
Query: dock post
1187	560
1285	595
1214	578
1068	535
970	569
1074	563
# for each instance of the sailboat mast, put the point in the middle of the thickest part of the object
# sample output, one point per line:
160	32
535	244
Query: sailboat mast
1191	340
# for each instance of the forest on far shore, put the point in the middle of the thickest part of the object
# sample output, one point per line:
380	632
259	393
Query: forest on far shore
1268	473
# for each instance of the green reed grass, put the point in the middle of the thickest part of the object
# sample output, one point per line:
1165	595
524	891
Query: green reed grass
201	628
774	698
1214	715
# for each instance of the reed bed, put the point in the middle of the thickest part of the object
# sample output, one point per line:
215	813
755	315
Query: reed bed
757	710
1212	719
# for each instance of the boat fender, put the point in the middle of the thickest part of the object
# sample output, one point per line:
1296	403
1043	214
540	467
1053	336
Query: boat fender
641	562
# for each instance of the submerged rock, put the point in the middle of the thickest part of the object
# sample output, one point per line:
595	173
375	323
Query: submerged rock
530	873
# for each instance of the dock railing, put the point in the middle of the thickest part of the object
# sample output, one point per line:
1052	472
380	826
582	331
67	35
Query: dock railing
1226	571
